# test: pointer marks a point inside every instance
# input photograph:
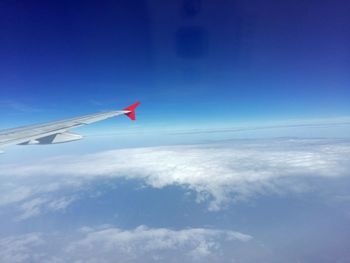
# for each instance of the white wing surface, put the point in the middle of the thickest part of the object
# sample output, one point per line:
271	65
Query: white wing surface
58	131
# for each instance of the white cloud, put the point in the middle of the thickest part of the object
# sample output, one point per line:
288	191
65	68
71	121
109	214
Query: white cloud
221	172
18	249
107	244
31	208
14	194
60	203
33	197
195	243
36	206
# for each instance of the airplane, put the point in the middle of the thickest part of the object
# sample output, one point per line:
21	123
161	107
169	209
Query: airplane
58	131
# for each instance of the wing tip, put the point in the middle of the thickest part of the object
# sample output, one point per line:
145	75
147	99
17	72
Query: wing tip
132	110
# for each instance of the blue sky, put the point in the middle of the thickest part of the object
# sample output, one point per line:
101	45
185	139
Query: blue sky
241	148
225	62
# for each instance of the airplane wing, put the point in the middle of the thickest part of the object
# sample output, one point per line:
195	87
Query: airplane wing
58	131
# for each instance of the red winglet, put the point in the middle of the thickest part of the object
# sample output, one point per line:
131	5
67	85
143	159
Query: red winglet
132	109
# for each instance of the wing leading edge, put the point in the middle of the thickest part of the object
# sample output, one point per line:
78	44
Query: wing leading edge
58	131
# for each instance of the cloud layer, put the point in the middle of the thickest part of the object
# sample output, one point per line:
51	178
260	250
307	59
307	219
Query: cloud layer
219	173
108	243
93	189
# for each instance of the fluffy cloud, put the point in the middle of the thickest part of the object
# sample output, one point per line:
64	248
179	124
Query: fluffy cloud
219	172
107	244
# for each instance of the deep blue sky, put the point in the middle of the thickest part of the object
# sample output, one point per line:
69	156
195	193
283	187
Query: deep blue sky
187	61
